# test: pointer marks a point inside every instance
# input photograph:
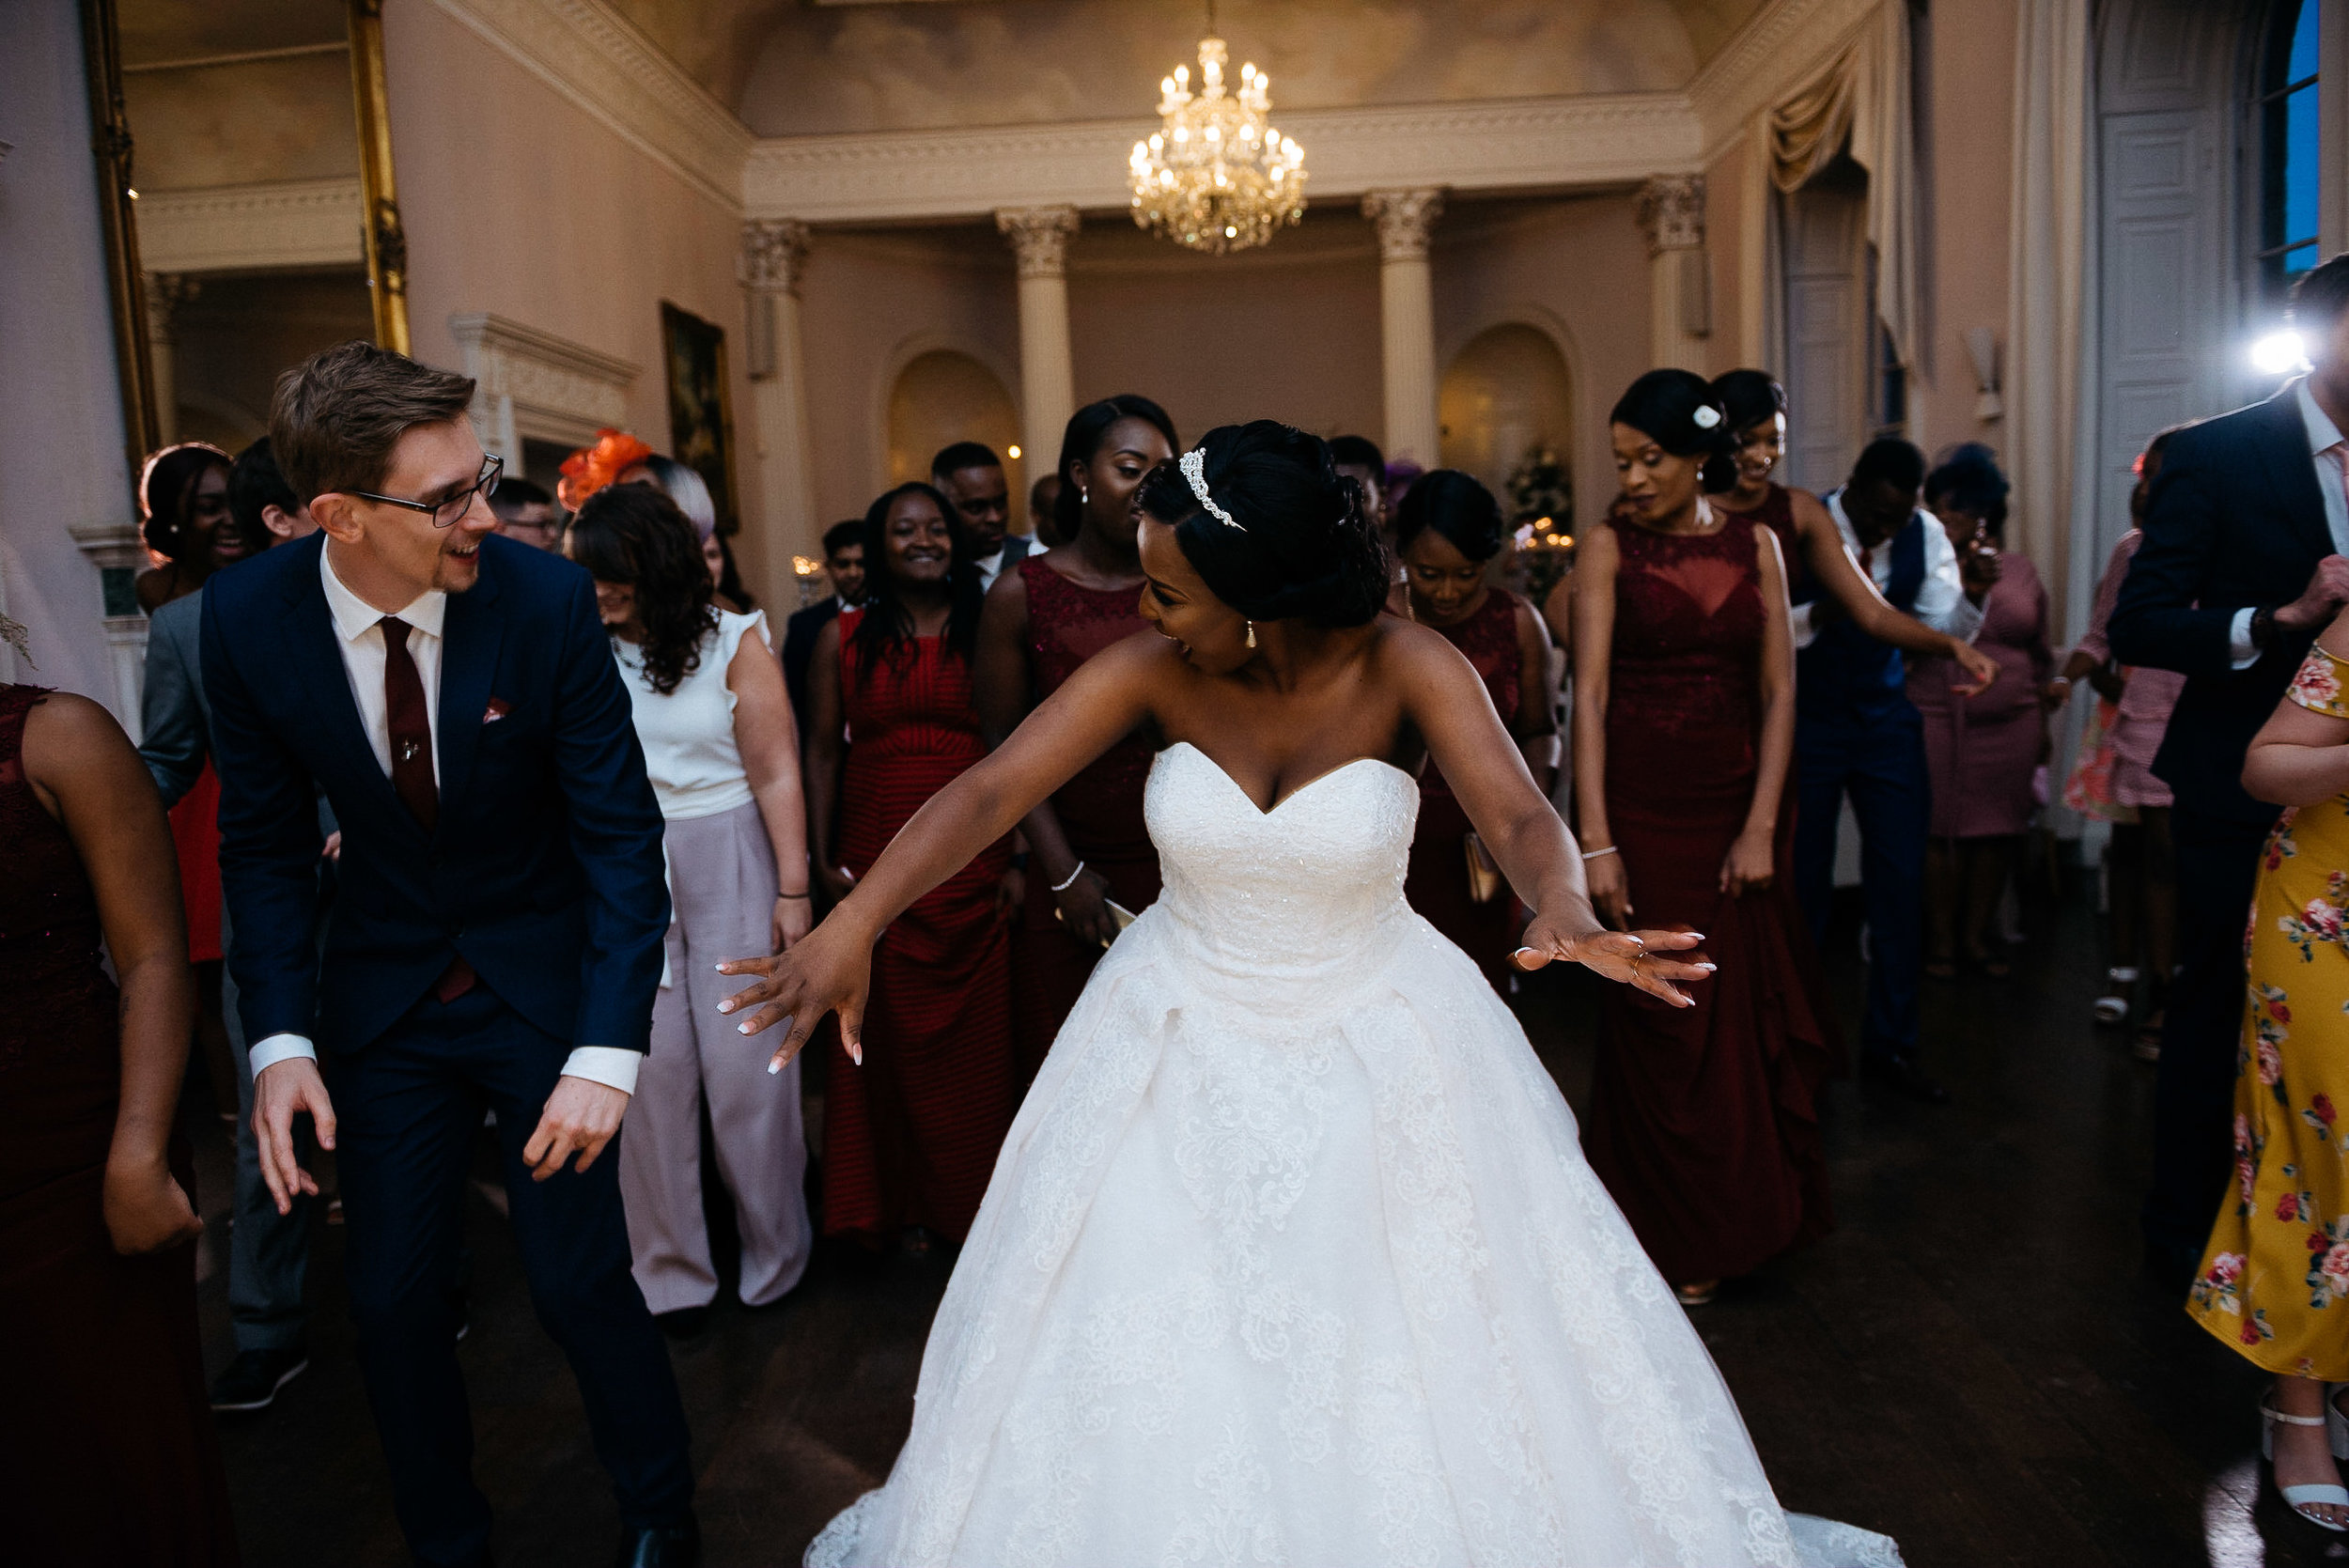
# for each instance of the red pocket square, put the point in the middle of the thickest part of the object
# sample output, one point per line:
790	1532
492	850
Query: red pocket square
499	708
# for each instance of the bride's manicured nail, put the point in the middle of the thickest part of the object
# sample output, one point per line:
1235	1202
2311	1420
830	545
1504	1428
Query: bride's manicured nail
1708	968
744	1026
774	1065
727	1006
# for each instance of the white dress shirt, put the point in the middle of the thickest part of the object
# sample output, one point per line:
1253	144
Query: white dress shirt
359	633
2328	451
990	567
1941	601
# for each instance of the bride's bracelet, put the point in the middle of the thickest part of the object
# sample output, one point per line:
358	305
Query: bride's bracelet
1064	887
1590	855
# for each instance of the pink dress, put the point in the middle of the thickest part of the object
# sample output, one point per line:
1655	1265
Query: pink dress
2143	718
1981	751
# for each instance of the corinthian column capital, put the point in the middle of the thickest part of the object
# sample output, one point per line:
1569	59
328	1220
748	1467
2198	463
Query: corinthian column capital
1039	235
774	253
1671	209
1405	219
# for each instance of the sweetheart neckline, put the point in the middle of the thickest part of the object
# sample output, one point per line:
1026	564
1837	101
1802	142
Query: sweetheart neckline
1282	803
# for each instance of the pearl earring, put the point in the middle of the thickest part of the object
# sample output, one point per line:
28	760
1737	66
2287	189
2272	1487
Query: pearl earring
1084	497
1251	634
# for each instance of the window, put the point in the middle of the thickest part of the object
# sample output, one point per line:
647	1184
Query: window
2286	110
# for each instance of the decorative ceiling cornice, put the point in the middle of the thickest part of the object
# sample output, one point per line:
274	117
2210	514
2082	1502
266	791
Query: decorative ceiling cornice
1524	143
599	60
223	229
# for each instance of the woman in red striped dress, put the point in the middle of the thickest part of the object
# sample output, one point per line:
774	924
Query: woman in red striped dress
910	1134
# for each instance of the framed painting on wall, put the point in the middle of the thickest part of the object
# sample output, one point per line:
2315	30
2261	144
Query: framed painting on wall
701	414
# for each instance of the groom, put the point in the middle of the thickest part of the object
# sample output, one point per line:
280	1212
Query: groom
497	939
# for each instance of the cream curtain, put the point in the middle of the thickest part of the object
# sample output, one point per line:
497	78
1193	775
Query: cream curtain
1858	101
2047	399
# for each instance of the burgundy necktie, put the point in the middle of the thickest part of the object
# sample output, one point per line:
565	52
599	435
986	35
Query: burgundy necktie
411	726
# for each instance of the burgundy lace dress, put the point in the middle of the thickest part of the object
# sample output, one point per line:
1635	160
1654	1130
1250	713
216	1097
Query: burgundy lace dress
1099	810
1438	885
1703	1121
106	1445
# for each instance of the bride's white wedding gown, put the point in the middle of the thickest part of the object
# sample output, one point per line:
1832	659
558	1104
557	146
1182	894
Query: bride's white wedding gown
1292	1257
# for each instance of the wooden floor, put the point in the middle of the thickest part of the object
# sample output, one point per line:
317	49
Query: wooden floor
1973	1363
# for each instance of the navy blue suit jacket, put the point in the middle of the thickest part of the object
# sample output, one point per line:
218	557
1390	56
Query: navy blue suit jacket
544	870
2235	519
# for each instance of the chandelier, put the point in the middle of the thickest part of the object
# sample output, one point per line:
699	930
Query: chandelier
1216	176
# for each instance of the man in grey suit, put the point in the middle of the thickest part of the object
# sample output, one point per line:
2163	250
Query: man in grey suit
268	1253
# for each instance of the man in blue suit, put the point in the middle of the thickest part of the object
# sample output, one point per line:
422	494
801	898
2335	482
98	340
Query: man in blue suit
2242	565
496	937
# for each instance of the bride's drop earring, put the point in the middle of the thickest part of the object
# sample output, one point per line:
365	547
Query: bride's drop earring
1084	497
1251	634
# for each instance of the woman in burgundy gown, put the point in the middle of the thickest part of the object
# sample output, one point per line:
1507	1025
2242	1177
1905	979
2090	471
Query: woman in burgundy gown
910	1134
1448	531
1703	1121
1088	845
106	1442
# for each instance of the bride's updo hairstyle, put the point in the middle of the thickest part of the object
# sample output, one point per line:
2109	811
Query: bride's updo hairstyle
1298	546
1678	412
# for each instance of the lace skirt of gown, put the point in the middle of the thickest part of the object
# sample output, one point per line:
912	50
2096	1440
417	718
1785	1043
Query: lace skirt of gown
1324	1280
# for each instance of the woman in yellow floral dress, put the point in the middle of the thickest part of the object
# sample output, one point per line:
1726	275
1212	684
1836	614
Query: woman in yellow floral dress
2275	1281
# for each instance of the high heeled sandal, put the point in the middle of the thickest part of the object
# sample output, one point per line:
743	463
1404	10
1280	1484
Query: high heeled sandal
2113	1006
2315	1494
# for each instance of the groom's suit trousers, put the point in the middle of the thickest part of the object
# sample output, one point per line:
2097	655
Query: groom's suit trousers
410	1105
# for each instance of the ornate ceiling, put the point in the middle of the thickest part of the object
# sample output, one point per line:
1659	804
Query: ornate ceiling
796	66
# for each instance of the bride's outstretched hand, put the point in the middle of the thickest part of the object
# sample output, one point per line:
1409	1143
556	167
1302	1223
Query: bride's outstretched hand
1634	958
828	971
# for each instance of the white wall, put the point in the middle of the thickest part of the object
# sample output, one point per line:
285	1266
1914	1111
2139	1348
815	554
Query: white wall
60	416
519	203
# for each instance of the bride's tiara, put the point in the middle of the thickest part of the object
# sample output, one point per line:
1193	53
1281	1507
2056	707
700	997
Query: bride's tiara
1195	466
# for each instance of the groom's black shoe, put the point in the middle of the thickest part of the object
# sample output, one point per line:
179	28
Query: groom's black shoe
661	1546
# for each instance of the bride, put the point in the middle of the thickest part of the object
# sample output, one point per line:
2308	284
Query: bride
1292	1256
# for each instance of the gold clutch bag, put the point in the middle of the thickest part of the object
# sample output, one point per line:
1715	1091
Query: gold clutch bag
1118	912
1484	873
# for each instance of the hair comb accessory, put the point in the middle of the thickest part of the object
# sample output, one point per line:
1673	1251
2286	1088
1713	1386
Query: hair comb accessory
1195	466
1707	416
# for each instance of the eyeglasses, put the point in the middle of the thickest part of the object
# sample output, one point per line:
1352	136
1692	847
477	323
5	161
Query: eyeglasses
444	514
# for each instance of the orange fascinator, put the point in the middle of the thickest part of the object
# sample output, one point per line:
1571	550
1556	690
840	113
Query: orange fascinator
591	468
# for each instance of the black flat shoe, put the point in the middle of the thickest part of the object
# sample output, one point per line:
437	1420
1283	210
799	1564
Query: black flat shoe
1898	1072
251	1381
684	1323
661	1546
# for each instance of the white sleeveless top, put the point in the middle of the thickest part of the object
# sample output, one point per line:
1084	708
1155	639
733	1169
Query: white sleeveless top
688	736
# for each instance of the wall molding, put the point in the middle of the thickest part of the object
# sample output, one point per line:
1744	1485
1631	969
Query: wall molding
220	228
1545	144
604	64
533	384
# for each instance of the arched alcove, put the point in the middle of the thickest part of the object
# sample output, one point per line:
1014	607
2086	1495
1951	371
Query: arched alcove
944	396
1506	391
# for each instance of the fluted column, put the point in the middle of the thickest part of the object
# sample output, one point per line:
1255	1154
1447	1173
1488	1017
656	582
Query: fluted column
1407	318
1048	373
775	252
166	293
1671	210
